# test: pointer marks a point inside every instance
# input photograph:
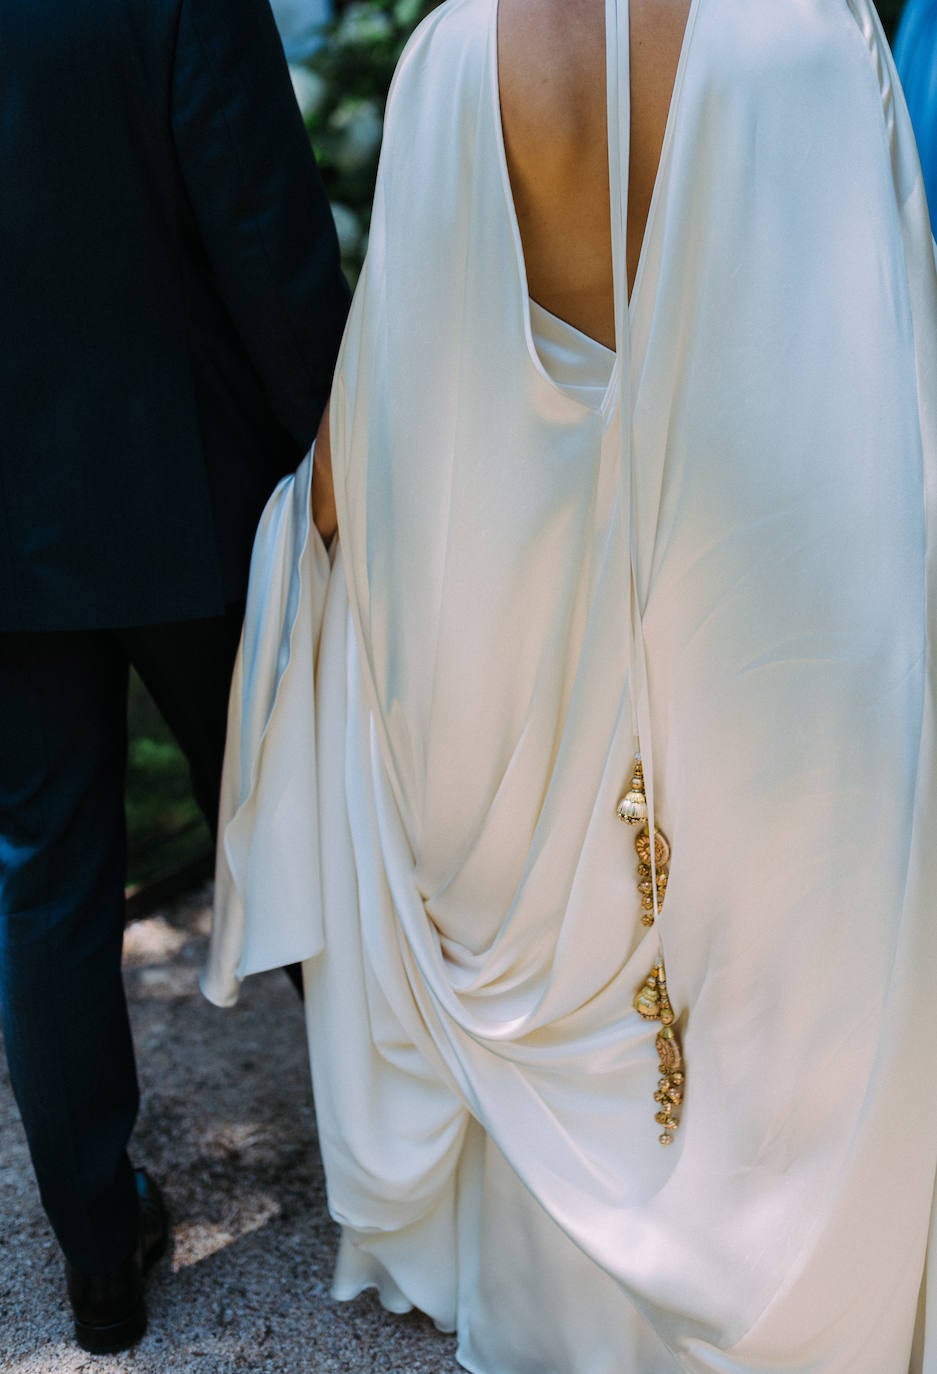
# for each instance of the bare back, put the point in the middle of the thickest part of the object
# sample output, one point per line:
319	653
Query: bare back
551	71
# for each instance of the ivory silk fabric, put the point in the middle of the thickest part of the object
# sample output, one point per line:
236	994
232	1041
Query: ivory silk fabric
431	731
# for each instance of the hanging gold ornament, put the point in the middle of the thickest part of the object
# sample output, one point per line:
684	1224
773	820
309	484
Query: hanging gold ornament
653	1004
652	1001
632	809
633	806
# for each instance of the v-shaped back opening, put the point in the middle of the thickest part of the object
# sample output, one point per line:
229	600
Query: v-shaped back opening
617	46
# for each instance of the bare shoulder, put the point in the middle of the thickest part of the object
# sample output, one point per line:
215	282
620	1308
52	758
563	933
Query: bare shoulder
551	65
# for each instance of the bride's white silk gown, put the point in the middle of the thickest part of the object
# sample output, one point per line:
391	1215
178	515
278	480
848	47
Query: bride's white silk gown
725	533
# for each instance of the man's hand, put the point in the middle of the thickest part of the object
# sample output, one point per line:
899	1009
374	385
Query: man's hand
323	492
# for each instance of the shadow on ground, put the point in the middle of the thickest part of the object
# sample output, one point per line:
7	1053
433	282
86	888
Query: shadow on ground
227	1125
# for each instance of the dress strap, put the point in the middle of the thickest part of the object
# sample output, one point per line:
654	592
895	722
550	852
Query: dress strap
652	1000
618	100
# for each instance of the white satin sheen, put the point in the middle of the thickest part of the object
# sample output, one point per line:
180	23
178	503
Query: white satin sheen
581	366
430	732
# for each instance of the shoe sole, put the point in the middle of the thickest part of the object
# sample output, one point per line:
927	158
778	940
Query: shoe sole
116	1336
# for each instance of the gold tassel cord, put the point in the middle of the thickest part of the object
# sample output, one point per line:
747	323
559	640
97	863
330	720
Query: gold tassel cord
652	1001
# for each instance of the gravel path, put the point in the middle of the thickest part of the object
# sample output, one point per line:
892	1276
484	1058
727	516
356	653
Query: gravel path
227	1126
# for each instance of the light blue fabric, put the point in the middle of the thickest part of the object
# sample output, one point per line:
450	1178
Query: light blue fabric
300	22
916	58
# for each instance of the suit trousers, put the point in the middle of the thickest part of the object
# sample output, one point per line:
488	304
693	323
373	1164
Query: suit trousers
63	750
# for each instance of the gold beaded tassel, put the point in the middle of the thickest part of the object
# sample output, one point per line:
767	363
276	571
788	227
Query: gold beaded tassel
652	1001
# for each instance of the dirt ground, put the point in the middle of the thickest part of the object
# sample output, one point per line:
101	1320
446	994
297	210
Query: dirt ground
227	1126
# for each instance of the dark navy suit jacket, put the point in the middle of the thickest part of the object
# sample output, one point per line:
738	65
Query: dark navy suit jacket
171	304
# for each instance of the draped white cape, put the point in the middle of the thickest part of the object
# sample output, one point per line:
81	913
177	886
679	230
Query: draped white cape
430	731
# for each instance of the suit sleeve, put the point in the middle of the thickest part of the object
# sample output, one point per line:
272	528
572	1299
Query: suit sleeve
258	201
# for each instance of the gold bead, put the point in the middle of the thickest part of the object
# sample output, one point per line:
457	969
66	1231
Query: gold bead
642	844
647	1003
666	1139
632	809
647	919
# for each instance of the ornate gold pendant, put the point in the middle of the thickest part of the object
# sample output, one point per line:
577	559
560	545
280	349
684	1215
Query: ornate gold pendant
632	809
651	1000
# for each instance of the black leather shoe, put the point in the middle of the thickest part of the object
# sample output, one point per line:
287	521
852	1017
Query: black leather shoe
109	1311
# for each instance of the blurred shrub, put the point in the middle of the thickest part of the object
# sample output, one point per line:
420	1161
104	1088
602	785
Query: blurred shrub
342	92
